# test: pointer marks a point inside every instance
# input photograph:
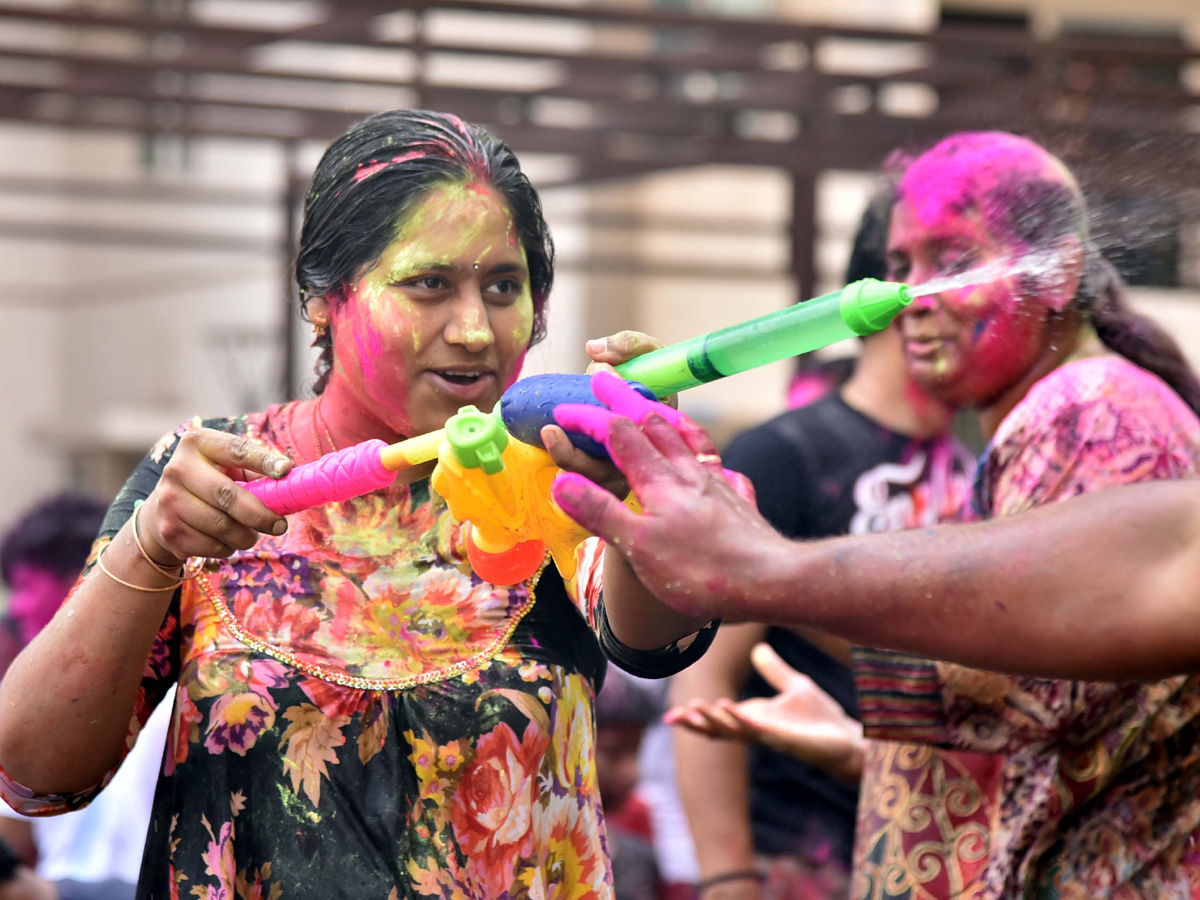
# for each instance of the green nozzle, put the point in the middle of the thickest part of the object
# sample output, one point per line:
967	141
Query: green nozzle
477	440
870	305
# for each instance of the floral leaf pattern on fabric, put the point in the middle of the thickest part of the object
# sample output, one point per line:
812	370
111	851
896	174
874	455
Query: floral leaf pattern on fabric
244	707
530	705
311	741
372	729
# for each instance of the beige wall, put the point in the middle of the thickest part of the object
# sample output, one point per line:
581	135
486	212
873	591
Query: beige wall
1047	15
31	383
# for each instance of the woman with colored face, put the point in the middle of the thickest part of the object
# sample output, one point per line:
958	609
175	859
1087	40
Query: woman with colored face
1075	395
355	713
1077	788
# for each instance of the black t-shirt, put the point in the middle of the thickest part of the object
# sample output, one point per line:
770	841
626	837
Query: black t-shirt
822	470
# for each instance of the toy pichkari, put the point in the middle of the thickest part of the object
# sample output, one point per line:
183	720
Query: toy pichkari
501	486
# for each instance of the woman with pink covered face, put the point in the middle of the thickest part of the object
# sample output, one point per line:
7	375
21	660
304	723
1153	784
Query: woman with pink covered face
355	713
1074	788
1075	395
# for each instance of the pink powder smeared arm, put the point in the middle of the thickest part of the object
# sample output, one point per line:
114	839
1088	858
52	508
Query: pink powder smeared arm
334	477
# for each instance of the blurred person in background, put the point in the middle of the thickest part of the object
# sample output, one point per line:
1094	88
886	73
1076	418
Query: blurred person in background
816	377
94	853
41	555
1096	786
625	707
873	455
674	850
355	713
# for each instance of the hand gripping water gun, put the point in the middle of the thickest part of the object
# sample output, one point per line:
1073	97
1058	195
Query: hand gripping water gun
502	486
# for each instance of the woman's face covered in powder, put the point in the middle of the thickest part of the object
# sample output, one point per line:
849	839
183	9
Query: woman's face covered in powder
969	345
443	319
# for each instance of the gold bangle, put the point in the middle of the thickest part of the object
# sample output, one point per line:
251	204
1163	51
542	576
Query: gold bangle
136	587
137	542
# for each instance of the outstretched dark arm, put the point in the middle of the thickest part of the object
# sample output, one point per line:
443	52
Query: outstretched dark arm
1104	587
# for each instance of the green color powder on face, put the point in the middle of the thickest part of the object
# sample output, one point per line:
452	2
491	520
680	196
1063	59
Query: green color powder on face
446	217
524	328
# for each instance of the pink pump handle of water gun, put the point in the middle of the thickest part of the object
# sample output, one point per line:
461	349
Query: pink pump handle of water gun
337	476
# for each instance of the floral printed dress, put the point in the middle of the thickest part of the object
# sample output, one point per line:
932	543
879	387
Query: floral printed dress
357	715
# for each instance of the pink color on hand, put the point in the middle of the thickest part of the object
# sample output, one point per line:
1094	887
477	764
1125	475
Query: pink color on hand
621	399
569	490
617	395
624	401
334	477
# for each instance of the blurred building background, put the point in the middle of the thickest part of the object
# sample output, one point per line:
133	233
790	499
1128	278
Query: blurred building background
701	161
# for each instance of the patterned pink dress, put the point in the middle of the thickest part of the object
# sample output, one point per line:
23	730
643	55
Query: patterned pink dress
1068	789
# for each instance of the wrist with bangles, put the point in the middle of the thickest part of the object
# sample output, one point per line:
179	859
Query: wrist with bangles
725	877
182	575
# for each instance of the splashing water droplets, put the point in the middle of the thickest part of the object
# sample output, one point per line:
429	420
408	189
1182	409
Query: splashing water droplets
1039	265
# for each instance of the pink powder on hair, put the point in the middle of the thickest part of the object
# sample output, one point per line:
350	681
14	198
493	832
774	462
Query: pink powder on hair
964	169
366	171
460	125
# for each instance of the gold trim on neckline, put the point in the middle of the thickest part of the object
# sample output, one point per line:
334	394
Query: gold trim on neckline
217	600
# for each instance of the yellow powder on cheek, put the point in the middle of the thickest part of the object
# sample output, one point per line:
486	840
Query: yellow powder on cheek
402	318
524	327
369	290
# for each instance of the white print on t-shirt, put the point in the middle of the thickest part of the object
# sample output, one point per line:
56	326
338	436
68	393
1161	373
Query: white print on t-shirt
927	489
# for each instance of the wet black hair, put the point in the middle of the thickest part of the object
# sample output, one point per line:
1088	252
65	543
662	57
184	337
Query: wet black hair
55	534
868	253
371	176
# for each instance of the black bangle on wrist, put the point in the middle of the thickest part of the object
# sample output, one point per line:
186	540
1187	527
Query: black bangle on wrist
739	875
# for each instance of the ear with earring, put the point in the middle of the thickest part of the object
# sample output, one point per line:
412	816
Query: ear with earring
317	310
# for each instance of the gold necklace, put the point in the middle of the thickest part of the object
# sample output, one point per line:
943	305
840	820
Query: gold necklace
317	437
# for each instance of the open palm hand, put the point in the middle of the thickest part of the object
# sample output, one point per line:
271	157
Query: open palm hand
801	720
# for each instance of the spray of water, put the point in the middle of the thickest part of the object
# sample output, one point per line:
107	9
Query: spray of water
1040	264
